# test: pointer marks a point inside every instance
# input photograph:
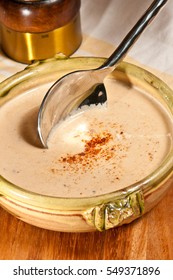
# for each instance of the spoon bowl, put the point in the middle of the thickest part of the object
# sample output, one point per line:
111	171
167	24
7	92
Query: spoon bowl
77	89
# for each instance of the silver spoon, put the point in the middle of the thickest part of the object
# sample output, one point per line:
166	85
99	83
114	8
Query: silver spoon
86	86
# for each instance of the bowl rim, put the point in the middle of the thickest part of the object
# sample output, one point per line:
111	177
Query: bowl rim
146	185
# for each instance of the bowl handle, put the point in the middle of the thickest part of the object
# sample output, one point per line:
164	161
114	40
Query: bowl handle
115	213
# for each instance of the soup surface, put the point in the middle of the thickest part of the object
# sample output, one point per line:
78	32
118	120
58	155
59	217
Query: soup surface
96	151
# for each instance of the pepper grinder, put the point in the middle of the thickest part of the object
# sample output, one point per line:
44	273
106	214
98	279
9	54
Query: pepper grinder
36	29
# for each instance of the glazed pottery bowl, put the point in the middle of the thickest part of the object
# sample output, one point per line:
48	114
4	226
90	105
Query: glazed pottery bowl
99	212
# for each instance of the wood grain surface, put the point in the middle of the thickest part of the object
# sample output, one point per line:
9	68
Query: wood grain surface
149	237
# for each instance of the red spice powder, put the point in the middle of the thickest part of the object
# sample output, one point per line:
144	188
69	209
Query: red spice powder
103	146
91	149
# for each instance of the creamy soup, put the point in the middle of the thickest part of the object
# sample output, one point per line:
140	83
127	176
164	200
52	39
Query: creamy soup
95	151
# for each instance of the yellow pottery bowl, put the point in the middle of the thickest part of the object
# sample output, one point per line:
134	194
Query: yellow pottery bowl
89	213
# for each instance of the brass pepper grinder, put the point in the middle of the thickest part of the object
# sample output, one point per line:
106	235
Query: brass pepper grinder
38	29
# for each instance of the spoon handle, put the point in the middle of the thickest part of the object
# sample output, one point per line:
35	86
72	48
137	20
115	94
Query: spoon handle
134	34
